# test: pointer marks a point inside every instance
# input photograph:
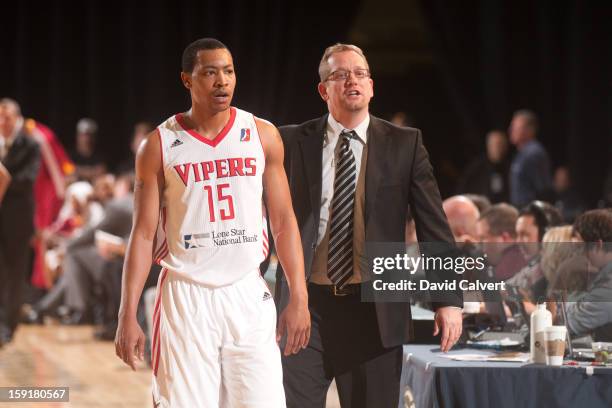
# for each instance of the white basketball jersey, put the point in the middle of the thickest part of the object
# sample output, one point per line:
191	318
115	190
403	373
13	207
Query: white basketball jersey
212	224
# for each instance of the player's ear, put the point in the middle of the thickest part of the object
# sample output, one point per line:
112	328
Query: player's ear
323	91
186	79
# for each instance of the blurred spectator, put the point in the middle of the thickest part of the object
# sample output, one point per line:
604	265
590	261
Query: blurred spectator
568	202
480	201
488	174
531	225
141	130
79	211
20	158
85	262
496	232
49	190
563	262
530	177
462	215
89	164
592	312
103	188
401	119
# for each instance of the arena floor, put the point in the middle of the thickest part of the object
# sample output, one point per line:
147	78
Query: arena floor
69	356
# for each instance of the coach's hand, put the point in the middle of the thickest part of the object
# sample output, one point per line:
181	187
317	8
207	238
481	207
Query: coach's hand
129	341
295	321
449	321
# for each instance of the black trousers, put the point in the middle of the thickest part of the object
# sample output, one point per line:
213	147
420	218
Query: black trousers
345	345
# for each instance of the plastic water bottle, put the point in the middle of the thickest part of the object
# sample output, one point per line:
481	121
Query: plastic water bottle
540	320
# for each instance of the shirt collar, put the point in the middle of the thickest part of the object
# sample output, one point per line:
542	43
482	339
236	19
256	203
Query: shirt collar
334	128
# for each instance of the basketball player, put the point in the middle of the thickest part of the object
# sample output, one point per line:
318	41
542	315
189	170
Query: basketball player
201	175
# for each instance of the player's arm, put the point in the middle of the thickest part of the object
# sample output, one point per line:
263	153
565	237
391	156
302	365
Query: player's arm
148	186
295	319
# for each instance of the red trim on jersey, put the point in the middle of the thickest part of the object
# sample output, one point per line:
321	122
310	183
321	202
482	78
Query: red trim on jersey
156	318
162	251
264	241
217	139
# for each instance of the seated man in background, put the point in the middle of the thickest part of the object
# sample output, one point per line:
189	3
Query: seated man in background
496	233
462	215
531	225
592	312
83	265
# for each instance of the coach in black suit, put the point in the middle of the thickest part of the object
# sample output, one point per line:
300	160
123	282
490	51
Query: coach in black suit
19	155
382	171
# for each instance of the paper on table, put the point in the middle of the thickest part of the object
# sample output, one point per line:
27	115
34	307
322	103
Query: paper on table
499	343
515	357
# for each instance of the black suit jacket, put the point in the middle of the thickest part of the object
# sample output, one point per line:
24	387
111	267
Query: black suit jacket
17	210
399	180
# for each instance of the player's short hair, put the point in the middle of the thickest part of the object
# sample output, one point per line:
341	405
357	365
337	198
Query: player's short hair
501	218
190	53
530	117
324	69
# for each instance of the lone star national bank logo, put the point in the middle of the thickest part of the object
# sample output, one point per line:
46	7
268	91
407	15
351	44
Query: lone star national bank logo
195	240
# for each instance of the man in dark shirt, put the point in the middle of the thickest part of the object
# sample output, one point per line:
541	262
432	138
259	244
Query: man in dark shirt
530	174
488	174
89	163
496	232
19	155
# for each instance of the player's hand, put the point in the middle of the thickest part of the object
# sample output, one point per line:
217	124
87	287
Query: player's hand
449	321
129	341
295	321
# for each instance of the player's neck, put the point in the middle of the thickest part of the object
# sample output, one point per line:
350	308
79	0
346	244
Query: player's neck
350	120
206	123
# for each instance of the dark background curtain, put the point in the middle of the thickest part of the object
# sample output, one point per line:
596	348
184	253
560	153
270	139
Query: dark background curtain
119	62
550	56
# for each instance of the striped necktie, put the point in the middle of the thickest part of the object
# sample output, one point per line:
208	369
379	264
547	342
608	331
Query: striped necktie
340	254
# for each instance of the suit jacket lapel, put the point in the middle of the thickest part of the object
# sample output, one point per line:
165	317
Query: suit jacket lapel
378	145
312	152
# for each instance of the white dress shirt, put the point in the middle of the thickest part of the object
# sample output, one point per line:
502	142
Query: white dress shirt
332	137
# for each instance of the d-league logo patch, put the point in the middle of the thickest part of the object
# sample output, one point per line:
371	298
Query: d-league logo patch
245	135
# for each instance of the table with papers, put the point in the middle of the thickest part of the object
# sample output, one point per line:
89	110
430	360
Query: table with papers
434	379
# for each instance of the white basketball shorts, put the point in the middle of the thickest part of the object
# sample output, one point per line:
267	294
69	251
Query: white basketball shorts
215	347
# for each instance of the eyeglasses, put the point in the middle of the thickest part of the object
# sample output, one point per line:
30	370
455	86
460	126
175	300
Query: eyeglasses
342	74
